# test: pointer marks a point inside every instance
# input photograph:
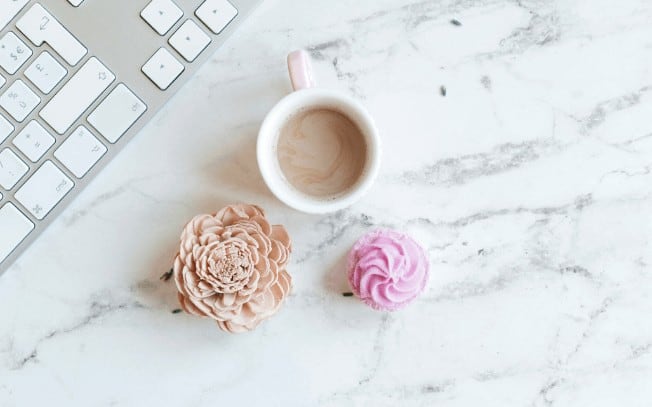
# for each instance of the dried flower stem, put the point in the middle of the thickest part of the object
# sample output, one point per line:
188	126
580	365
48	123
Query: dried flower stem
167	275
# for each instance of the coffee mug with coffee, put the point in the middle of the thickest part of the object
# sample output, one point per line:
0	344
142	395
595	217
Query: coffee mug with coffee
318	149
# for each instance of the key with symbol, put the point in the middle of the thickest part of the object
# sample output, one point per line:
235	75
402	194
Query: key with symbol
40	26
113	117
13	53
216	14
44	190
161	15
80	152
189	41
33	141
163	68
12	169
45	72
77	95
19	100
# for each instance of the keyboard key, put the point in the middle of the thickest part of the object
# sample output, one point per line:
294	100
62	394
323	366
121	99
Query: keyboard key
189	40
40	26
163	68
12	169
19	100
161	15
80	152
77	95
6	128
216	14
75	3
13	53
45	72
34	141
14	227
9	9
44	190
119	111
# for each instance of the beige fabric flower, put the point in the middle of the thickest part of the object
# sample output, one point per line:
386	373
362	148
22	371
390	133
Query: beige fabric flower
231	267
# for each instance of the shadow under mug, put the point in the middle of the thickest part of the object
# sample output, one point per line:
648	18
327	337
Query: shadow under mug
307	96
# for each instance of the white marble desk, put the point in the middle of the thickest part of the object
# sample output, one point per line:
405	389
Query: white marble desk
530	184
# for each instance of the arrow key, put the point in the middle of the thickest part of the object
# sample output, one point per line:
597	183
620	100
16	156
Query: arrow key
216	14
161	15
163	68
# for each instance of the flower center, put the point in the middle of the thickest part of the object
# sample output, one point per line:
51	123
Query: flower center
232	268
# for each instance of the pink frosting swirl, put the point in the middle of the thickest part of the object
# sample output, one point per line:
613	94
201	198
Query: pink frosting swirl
387	269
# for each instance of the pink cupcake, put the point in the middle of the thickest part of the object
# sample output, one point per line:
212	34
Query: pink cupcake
387	269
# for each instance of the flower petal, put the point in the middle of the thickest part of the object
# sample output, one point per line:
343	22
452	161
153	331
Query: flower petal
280	234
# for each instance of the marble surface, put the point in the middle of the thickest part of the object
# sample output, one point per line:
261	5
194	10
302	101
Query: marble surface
529	182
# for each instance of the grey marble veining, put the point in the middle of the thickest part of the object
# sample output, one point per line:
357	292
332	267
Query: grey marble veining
528	182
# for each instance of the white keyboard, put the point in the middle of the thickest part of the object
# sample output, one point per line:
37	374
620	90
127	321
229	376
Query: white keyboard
78	79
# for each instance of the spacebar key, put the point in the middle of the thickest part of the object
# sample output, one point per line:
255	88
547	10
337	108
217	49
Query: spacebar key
77	95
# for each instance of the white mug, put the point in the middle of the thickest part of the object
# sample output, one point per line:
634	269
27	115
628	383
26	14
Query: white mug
307	96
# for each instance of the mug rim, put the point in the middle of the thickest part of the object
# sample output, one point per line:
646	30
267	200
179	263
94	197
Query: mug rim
268	162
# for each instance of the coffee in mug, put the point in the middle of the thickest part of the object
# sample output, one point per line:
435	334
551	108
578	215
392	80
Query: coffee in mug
318	150
322	152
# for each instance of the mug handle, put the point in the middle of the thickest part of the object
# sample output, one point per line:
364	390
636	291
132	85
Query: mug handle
300	69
